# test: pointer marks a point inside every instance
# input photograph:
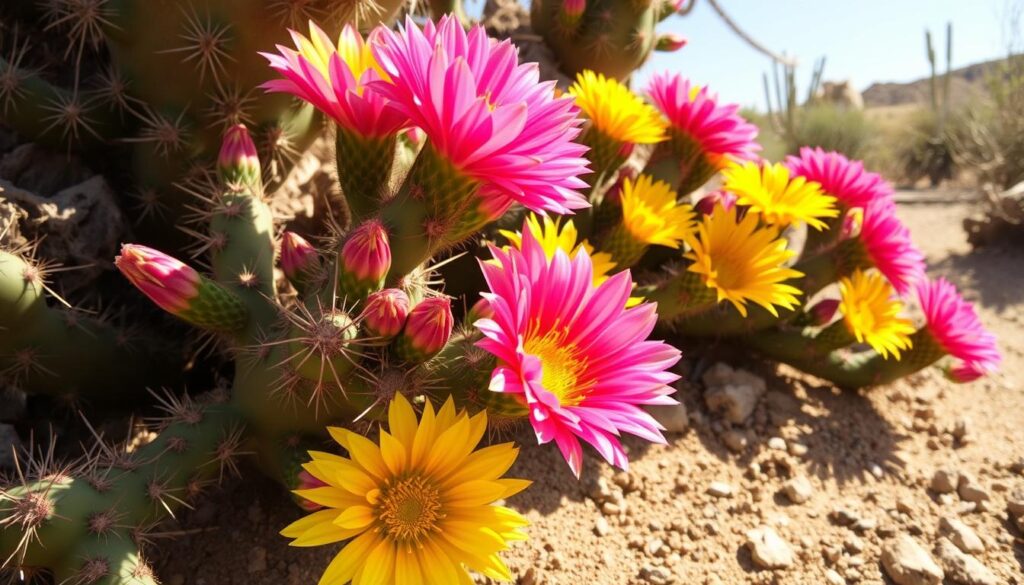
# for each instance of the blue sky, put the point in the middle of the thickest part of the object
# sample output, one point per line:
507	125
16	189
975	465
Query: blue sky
864	40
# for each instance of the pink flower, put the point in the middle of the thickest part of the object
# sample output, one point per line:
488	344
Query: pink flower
489	116
888	246
428	329
693	111
572	353
366	255
385	312
840	177
297	255
955	326
333	77
167	281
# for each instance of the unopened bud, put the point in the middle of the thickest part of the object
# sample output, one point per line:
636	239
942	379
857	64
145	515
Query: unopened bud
238	163
670	43
385	313
427	329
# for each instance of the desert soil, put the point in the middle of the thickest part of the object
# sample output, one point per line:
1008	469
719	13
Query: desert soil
865	462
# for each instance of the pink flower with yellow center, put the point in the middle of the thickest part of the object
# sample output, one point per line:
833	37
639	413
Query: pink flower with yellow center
840	177
489	116
694	112
953	324
571	352
333	77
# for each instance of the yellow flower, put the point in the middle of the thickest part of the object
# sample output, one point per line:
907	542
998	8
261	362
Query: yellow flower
419	507
871	311
651	214
554	235
743	262
355	53
617	112
780	200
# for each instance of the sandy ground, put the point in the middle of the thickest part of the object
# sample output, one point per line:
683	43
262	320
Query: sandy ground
869	460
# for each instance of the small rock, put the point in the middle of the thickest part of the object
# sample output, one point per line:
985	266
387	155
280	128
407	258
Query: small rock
735	440
962	568
768	549
529	577
653	546
944	481
673	417
777	444
720	489
854	544
1015	503
834	578
962	535
865	525
797	449
908	564
610	509
9	444
970	490
601	527
655	575
798	489
961	428
844	516
734	393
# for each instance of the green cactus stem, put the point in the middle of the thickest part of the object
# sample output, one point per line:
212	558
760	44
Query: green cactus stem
61	352
364	169
680	297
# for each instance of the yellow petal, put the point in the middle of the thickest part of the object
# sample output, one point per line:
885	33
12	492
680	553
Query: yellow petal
447	450
355	517
474	493
393	453
402	420
513	486
330	497
437	567
349	476
339	435
407	567
487	463
424	437
295	529
367	455
349	560
380	565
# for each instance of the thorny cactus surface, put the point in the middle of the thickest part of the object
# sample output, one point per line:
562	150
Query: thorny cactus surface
440	134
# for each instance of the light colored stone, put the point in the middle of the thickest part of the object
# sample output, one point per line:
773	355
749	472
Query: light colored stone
768	549
907	563
733	393
834	578
655	575
601	527
720	489
777	444
944	481
797	449
673	417
653	546
962	535
798	489
970	490
962	568
1015	503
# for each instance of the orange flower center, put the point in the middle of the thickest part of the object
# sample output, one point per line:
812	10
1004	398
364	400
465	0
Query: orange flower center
410	508
561	364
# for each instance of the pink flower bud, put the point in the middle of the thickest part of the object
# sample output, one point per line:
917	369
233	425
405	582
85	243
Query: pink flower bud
707	204
385	312
853	221
965	372
366	255
481	309
427	329
670	42
308	482
574	8
238	163
167	281
297	256
823	312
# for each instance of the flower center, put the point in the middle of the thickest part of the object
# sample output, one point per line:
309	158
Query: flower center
410	508
561	366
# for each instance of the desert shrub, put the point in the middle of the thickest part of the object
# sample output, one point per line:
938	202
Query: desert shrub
991	141
832	127
925	148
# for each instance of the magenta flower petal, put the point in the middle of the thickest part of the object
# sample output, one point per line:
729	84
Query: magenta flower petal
889	247
840	177
952	322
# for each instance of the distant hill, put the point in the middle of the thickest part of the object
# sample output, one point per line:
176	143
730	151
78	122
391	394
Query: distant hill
968	84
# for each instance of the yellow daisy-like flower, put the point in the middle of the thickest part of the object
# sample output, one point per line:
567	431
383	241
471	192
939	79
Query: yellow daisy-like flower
617	112
651	214
417	508
554	235
743	262
778	198
871	311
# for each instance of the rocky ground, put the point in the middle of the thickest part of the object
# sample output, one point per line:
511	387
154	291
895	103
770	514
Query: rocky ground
769	477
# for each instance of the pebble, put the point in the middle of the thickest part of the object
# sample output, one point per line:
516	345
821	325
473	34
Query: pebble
962	535
768	549
733	393
673	417
970	490
610	509
797	449
834	578
720	489
655	575
962	568
777	444
601	527
735	440
1015	503
907	563
529	577
944	481
798	489
854	544
653	546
